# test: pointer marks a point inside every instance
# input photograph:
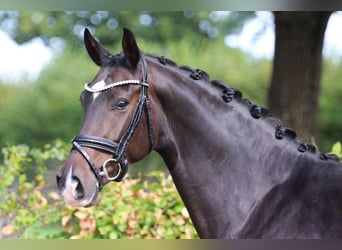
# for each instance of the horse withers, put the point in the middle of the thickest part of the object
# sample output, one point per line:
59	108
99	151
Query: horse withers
240	172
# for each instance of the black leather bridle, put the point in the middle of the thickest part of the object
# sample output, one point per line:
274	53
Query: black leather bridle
117	149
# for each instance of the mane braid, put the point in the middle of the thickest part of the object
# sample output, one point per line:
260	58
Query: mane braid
228	94
163	60
260	112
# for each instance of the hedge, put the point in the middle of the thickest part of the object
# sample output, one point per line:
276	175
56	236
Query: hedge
135	208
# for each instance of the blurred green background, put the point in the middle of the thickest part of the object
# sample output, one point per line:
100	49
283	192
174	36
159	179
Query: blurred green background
36	112
39	111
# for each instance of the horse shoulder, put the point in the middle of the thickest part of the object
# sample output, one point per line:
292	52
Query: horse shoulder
307	204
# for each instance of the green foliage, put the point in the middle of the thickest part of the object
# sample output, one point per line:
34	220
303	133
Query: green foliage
131	209
154	26
337	149
37	113
22	180
330	122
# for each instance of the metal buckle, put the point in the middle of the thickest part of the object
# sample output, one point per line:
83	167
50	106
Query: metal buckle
104	171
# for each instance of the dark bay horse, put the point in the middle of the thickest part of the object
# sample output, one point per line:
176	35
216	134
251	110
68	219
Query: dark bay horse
240	172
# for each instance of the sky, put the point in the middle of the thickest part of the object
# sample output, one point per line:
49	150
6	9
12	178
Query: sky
263	45
28	59
256	38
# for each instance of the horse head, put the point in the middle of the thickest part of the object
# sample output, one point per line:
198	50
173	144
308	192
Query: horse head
117	122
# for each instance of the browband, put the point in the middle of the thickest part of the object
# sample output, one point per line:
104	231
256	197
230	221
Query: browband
115	84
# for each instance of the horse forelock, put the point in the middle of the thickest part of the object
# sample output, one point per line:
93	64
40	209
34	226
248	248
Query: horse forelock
117	60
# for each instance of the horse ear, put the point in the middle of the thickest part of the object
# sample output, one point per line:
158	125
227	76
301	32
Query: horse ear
95	50
130	48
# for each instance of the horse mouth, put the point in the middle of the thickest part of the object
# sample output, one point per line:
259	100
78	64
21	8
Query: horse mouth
93	201
76	194
84	202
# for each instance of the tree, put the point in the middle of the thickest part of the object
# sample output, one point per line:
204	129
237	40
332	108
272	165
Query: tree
295	81
156	26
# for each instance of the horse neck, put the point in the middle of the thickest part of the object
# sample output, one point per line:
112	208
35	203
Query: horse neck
216	153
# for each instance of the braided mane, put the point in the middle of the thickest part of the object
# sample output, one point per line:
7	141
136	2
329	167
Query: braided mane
257	112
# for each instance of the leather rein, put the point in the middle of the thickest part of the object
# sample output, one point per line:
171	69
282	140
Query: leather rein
117	149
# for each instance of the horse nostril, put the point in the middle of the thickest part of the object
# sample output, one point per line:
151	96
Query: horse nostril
59	181
79	191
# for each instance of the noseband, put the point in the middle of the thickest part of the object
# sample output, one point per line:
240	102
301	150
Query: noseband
117	149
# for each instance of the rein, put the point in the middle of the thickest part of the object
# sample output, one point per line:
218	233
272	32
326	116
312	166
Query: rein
117	149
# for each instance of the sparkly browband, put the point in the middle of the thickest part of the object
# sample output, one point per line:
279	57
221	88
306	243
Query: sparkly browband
115	84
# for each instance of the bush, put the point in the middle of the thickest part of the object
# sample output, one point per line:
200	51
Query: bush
135	208
131	209
337	150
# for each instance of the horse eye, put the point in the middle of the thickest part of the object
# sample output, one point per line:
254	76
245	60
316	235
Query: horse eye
121	104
